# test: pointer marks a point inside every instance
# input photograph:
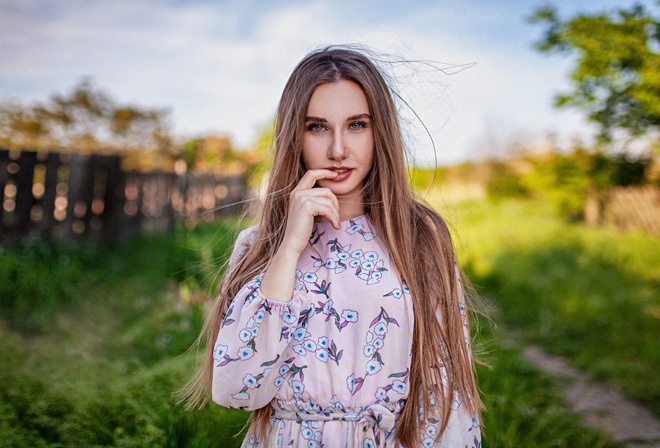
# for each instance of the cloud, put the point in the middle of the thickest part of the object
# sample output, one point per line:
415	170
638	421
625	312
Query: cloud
221	66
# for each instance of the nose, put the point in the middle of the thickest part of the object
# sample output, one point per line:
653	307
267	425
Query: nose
337	149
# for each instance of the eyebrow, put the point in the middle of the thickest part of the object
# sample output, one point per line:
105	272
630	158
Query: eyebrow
351	118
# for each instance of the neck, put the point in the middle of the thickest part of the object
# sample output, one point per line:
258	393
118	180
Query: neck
349	208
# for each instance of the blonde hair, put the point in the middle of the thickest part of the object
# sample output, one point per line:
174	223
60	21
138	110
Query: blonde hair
417	238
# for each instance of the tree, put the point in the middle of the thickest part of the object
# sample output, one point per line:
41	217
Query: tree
86	119
616	78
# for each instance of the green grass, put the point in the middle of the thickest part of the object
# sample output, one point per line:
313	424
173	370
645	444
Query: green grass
591	294
524	408
98	347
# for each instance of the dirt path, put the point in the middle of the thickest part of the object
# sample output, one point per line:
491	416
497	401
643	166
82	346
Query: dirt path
601	406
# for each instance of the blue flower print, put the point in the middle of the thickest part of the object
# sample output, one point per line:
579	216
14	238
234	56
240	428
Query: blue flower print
330	263
368	443
350	382
368	351
322	355
250	381
378	343
428	442
350	315
298	387
380	328
323	342
373	367
336	403
357	253
310	277
396	293
354	228
283	370
288	318
381	394
431	431
300	334
307	433
399	387
220	352
368	265
278	381
327	307
245	353
298	348
309	345
343	256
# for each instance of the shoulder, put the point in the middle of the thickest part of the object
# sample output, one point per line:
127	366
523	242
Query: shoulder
429	220
243	242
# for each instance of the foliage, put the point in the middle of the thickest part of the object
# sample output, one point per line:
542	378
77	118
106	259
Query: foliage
523	407
564	179
86	119
572	289
617	75
103	372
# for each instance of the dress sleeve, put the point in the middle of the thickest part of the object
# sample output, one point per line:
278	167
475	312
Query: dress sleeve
252	343
463	429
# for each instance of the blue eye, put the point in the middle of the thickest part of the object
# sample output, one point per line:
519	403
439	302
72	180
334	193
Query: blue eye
315	127
358	125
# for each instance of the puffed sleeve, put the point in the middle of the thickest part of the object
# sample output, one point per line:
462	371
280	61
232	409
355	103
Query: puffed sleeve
252	343
463	429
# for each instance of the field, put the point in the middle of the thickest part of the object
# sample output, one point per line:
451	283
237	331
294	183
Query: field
94	341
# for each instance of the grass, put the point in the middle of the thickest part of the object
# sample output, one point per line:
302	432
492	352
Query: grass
590	294
93	349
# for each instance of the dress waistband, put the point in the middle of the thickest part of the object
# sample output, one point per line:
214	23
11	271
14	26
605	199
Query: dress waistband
376	416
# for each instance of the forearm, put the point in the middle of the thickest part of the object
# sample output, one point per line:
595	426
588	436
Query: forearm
279	279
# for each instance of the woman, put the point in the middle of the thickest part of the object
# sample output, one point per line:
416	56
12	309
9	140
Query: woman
341	321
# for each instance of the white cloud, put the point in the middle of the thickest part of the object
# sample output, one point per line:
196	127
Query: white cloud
222	65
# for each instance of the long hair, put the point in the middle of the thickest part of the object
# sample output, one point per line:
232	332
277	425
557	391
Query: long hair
416	237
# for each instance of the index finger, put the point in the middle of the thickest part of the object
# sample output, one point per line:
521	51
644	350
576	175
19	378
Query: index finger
311	176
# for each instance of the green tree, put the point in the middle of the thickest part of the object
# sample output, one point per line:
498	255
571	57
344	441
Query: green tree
86	119
616	77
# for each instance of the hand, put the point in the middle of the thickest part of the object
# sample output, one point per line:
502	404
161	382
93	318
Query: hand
305	204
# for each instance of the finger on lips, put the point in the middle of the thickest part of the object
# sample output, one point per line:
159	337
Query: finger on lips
311	176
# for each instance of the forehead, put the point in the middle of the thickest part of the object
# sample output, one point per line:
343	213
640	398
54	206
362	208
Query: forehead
341	97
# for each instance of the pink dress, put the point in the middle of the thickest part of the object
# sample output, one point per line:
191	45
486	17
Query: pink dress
335	360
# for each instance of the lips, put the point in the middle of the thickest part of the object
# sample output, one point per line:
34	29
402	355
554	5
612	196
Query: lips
342	172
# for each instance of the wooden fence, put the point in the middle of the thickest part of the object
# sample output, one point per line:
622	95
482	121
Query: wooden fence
88	197
634	207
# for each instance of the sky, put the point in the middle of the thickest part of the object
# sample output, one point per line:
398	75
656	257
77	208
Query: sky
220	66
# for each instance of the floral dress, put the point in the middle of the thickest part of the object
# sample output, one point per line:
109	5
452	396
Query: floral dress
334	362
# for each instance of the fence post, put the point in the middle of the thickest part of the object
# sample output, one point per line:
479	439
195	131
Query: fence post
50	192
24	198
4	163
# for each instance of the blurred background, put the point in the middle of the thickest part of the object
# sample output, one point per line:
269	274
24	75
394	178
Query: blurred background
133	135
